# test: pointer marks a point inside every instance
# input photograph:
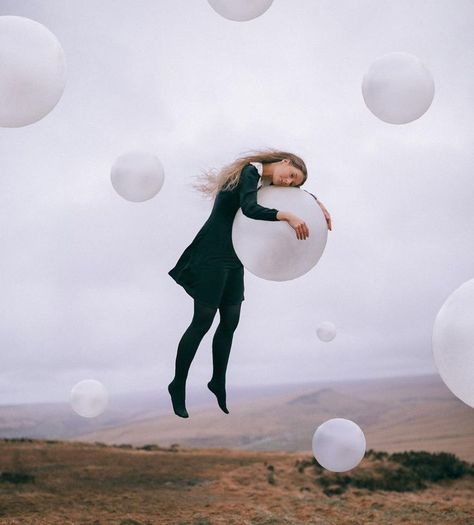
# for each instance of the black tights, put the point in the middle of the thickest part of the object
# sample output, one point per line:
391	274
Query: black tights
221	344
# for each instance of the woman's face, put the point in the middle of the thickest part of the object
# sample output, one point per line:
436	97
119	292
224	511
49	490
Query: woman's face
285	174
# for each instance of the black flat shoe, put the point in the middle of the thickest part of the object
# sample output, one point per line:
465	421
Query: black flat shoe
177	398
219	392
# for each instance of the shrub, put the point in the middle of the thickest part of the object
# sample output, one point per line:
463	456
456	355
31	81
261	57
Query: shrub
397	480
16	477
271	474
433	467
149	447
400	472
376	454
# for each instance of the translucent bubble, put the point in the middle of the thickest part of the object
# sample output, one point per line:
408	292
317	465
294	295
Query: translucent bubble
453	342
32	71
339	445
240	10
137	176
89	398
398	88
326	331
270	249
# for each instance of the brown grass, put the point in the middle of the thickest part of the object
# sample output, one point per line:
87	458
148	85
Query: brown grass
92	484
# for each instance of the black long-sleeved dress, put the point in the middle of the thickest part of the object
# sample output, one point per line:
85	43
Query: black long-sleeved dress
211	252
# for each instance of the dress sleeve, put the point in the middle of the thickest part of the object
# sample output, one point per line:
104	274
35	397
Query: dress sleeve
248	196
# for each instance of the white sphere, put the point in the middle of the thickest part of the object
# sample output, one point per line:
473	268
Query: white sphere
398	88
326	331
270	249
32	71
89	398
240	10
137	176
453	342
339	445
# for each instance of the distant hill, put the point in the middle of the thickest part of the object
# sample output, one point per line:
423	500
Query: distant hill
396	414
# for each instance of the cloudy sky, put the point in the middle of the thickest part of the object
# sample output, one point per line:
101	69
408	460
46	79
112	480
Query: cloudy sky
84	289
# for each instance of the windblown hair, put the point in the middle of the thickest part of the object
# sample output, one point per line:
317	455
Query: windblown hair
211	182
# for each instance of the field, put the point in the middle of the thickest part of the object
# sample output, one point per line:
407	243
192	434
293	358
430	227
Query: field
71	483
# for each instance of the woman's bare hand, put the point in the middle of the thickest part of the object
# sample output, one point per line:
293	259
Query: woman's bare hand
327	216
300	227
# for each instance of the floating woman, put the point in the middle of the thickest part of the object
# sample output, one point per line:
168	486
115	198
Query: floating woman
209	269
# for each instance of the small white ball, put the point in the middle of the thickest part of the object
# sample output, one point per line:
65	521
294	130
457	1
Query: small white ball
339	445
326	331
32	71
398	88
89	398
137	176
240	10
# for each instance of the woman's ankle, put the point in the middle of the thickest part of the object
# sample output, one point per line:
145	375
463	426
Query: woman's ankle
178	383
218	383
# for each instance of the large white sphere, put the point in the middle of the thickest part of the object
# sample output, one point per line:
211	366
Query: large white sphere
453	342
339	445
398	88
326	331
32	71
240	10
270	249
89	398
137	176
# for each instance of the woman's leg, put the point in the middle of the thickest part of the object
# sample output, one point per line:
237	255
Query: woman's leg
188	345
221	344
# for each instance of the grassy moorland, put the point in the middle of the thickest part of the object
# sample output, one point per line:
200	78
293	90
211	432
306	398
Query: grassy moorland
54	482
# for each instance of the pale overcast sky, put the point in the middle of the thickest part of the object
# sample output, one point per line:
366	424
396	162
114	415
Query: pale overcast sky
84	289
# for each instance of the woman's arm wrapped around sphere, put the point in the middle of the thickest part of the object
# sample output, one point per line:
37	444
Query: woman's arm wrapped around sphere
326	213
250	208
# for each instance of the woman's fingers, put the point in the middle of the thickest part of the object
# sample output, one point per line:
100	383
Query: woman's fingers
298	232
302	231
327	216
328	220
300	227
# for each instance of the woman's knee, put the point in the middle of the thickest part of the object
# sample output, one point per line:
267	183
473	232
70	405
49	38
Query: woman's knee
229	318
203	317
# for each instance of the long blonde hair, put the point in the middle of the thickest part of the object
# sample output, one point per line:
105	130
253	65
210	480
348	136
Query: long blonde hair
211	182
